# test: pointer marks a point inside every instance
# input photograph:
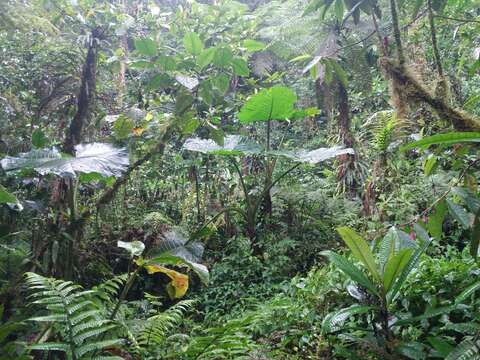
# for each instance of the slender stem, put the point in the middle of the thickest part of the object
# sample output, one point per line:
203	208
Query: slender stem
457	19
244	187
124	293
197	191
230	209
433	34
273	183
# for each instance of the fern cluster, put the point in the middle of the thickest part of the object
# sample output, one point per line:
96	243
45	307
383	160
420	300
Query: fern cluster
81	326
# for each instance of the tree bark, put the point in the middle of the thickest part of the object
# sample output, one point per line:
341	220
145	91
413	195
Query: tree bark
86	95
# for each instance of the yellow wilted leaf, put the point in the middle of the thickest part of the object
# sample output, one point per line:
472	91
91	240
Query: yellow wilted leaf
178	287
137	131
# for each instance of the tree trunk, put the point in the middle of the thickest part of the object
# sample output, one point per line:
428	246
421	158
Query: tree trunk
85	96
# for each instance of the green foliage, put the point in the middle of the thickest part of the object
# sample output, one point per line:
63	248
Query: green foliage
6	197
275	103
82	324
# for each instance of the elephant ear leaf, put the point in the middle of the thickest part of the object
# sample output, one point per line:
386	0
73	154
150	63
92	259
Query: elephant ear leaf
101	158
314	156
360	250
275	103
232	145
175	249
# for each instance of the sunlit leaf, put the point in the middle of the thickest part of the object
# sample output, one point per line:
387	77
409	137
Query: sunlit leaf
275	103
146	47
135	248
96	157
253	45
192	43
232	145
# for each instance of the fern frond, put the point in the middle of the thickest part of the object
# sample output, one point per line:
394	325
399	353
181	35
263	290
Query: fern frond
466	350
82	325
157	327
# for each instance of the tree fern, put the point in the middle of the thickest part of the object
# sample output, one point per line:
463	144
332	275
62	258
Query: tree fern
82	325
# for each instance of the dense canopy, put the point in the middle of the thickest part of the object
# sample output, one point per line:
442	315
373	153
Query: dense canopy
251	179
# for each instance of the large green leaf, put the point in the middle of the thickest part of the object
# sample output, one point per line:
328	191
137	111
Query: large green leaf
444	139
175	249
435	220
96	157
253	45
360	250
275	103
395	266
240	67
146	47
206	57
351	270
192	43
6	197
469	198
465	294
223	57
393	241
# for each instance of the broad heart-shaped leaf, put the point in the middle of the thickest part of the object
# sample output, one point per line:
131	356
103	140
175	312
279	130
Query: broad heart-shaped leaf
360	250
351	270
395	266
146	46
314	156
444	139
135	248
175	249
192	43
232	145
96	157
6	197
178	287
275	103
